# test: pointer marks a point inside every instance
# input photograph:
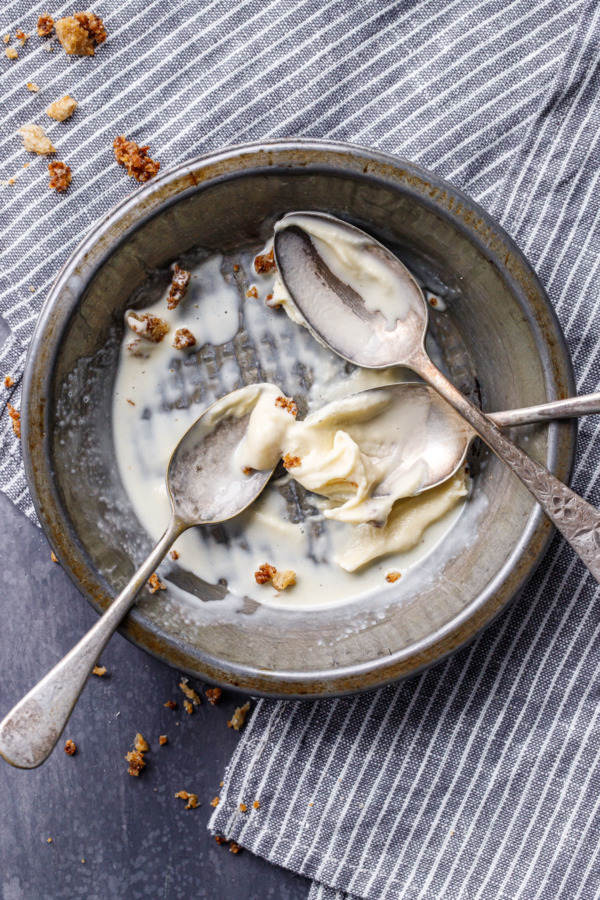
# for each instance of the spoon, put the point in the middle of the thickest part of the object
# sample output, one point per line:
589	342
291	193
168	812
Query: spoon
376	333
433	439
202	489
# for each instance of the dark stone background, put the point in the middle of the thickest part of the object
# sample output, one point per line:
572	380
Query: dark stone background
137	840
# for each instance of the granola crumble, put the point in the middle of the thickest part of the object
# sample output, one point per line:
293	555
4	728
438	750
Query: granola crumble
183	339
45	25
21	37
53	556
288	404
6	38
15	416
191	798
218	838
264	573
80	34
283	580
32	86
35	139
156	584
239	717
265	263
391	577
99	671
188	706
234	848
70	747
252	292
60	176
179	285
255	805
243	807
215	802
291	462
190	693
153	328
11	53
170	704
163	739
136	762
135	159
8	382
141	745
62	109
213	695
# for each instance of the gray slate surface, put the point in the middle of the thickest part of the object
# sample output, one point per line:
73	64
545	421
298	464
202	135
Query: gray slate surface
136	838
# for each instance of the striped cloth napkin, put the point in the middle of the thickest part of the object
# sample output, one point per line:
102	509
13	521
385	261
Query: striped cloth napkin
481	778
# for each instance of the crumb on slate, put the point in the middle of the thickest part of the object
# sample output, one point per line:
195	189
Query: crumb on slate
189	708
163	739
190	693
136	762
215	802
191	798
141	744
70	747
239	717
171	704
234	848
99	671
213	695
53	556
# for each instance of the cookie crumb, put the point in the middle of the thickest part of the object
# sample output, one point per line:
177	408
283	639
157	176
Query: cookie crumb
11	53
255	805
183	339
239	717
49	840
283	580
170	704
291	462
236	268
135	159
213	695
243	807
8	382
35	140
215	802
80	34
288	404
252	292
191	798
45	25
188	707
174	554
179	285
53	556
136	762
70	747
264	263
218	838
99	671
234	848
6	38
156	584
141	744
190	693
15	417
32	86
163	739
62	109
153	328
264	573
131	402
391	577
21	37
60	176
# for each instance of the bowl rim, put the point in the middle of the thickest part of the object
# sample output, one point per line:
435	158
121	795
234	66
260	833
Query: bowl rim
172	186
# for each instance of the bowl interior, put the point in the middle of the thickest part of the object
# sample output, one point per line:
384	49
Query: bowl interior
499	340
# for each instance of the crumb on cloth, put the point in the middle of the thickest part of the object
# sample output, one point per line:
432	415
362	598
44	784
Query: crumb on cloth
11	53
15	417
60	176
35	139
8	381
33	87
61	109
135	159
45	25
80	33
239	717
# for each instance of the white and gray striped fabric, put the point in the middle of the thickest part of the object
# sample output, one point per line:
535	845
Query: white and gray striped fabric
480	779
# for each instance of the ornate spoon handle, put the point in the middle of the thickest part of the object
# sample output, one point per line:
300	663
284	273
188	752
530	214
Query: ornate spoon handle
574	517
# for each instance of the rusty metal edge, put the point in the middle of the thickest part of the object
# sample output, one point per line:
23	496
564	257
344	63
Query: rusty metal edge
171	186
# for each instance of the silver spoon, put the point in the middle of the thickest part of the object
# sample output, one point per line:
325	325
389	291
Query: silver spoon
358	331
202	489
438	438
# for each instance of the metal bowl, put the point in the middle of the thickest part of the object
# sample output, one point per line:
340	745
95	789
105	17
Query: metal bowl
500	338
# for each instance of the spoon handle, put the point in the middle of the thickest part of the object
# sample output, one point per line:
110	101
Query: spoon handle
557	409
30	731
575	518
